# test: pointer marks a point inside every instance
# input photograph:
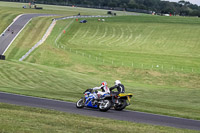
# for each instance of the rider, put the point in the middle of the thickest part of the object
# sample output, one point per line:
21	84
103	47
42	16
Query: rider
119	86
103	87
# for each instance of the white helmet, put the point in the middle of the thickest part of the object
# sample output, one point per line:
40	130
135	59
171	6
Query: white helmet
117	82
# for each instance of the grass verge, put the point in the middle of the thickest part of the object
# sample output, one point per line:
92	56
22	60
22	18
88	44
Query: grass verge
25	119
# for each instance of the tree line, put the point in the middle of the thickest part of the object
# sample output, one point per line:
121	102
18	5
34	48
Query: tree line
183	8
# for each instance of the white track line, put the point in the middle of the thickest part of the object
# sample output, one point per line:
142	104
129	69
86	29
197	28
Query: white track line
41	41
17	33
11	24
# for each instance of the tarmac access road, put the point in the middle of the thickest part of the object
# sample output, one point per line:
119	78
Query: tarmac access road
9	35
132	116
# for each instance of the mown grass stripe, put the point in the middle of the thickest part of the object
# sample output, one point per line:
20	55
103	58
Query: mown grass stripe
10	78
111	31
128	40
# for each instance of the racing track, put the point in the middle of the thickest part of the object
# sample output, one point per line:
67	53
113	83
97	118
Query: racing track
16	27
132	116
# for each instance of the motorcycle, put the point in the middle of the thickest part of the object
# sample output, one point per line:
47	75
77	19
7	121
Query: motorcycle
93	100
121	100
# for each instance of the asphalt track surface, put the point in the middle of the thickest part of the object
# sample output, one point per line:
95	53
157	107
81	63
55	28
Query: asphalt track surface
7	37
132	116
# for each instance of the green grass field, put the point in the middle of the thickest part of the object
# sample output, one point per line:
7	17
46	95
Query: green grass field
21	45
24	119
146	40
155	90
9	10
156	58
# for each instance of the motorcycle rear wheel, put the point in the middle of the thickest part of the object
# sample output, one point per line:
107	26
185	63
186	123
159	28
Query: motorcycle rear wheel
121	106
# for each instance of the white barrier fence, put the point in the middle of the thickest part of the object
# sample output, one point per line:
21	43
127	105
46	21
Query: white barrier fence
132	64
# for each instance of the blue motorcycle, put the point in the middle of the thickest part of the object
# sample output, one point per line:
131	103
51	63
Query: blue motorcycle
92	100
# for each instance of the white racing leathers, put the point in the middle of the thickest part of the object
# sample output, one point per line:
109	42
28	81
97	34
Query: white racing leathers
105	90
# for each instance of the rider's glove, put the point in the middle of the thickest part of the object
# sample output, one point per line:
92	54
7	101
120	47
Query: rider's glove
87	90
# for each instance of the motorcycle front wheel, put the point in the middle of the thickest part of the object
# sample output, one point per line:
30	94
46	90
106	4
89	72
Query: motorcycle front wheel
105	105
80	103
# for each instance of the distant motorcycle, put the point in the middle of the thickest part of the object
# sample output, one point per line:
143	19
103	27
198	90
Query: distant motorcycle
92	100
120	101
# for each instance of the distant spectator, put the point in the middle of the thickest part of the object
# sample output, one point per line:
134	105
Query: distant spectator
30	5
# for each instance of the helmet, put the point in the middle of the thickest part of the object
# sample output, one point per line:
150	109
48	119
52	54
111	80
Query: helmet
117	82
104	83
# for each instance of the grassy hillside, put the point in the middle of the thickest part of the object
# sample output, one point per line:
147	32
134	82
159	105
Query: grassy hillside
35	29
147	40
24	119
156	58
43	81
81	59
9	10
